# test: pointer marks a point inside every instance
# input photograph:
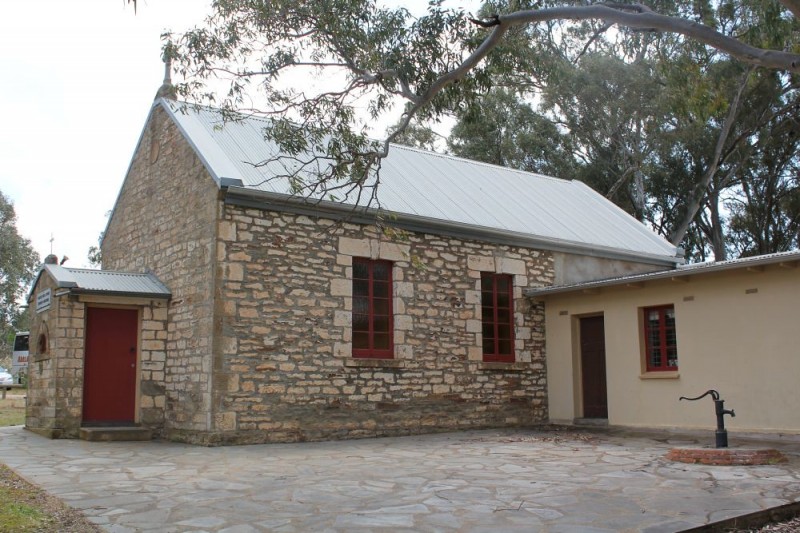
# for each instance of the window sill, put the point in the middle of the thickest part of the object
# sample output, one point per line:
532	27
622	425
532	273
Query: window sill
374	363
669	374
508	367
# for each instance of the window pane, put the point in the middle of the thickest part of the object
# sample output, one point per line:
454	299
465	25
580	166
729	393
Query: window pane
504	346
502	300
381	307
360	270
655	358
671	341
360	306
487	314
488	345
503	316
486	299
655	339
381	341
360	287
360	340
501	284
488	331
380	289
380	271
503	331
380	324
672	356
360	322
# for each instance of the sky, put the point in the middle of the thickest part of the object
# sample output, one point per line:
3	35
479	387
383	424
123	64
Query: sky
77	79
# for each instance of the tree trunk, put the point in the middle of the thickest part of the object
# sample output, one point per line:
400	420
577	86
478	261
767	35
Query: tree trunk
696	198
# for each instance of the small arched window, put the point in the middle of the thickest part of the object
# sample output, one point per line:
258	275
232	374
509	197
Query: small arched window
42	344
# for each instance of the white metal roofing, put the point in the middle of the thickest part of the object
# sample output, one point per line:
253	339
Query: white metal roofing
436	187
86	281
791	257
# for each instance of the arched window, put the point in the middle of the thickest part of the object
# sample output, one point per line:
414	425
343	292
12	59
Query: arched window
41	345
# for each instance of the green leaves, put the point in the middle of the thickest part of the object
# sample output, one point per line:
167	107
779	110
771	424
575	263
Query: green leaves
18	263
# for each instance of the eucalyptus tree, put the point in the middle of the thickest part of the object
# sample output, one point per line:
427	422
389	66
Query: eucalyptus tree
371	55
18	263
503	129
659	124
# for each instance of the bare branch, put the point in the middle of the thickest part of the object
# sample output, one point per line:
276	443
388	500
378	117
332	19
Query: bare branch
638	17
601	30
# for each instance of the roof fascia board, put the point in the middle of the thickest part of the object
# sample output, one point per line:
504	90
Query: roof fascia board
123	294
244	197
680	272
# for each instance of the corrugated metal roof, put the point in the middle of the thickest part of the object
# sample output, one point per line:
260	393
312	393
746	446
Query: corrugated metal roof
437	187
84	281
790	258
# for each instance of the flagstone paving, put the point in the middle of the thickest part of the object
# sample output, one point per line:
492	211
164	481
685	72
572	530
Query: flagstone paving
472	481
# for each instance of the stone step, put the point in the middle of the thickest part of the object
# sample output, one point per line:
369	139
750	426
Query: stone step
597	422
108	434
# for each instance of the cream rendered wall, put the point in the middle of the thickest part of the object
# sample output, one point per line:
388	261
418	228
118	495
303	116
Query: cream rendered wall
737	332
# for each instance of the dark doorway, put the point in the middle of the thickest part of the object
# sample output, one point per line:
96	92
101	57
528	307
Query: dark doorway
593	367
109	382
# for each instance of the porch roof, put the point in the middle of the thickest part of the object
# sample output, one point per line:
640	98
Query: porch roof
87	281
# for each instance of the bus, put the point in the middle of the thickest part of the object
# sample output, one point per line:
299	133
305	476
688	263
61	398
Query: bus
19	359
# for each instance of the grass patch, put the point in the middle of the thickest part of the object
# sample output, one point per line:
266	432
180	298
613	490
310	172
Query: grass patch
25	507
12	411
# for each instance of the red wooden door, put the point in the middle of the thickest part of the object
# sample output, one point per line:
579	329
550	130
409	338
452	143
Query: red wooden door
109	381
593	367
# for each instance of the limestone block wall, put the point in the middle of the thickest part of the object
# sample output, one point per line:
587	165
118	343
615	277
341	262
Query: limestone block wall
164	221
55	370
152	364
284	371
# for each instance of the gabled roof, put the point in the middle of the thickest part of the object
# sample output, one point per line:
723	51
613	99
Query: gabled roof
426	191
789	259
86	281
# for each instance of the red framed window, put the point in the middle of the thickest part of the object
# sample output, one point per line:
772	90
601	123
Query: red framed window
372	309
497	314
661	345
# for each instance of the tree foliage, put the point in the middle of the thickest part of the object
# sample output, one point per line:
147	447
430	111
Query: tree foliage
616	82
18	263
660	125
503	129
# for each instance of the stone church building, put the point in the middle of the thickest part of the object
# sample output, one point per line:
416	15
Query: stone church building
230	310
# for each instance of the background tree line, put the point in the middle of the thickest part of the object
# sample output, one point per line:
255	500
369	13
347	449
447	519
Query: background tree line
682	112
18	262
697	145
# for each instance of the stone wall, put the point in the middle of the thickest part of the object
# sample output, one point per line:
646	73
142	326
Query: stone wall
284	369
164	222
55	374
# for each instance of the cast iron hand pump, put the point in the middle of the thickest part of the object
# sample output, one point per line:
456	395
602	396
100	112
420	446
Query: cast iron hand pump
719	408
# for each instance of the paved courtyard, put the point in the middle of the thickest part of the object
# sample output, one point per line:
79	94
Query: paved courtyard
471	481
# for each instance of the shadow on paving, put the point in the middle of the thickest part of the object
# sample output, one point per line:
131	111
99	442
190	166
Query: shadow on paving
516	480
